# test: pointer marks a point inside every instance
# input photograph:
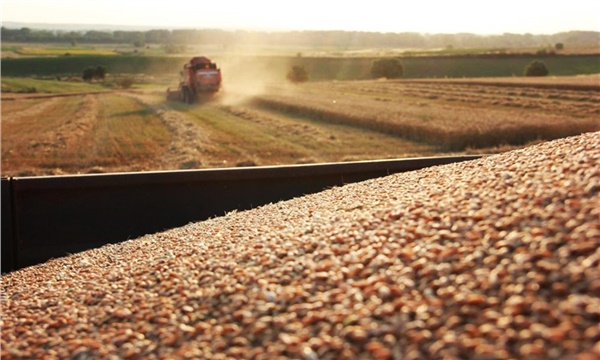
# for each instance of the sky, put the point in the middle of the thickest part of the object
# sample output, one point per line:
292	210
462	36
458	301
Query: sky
483	17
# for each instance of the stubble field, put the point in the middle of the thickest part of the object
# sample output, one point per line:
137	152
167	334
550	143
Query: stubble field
283	124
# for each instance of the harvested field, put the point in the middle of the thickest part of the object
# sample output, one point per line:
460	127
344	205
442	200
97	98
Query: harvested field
70	134
200	136
497	258
454	115
578	82
258	124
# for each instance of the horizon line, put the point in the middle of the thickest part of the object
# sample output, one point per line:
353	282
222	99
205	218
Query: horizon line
113	27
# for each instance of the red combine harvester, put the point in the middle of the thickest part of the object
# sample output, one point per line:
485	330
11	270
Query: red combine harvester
199	77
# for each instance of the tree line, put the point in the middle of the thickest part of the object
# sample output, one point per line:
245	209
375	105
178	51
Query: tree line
339	39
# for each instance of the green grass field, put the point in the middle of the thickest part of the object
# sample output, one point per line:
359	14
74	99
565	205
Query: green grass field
318	68
74	65
62	51
30	85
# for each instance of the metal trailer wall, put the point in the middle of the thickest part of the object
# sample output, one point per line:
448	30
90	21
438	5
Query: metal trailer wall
49	217
6	235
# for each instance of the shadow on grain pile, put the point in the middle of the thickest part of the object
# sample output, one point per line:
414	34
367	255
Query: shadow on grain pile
493	259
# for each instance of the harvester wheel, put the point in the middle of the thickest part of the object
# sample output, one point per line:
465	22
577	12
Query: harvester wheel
188	97
173	95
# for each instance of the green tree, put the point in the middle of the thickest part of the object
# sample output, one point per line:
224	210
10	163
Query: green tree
94	72
559	46
100	72
126	82
88	74
297	74
536	68
389	68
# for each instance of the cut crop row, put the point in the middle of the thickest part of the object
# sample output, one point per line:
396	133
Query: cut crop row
451	126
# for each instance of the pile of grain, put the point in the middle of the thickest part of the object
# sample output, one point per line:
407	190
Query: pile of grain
490	259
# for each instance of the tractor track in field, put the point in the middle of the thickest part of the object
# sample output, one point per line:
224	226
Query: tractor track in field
72	130
40	150
36	109
189	145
